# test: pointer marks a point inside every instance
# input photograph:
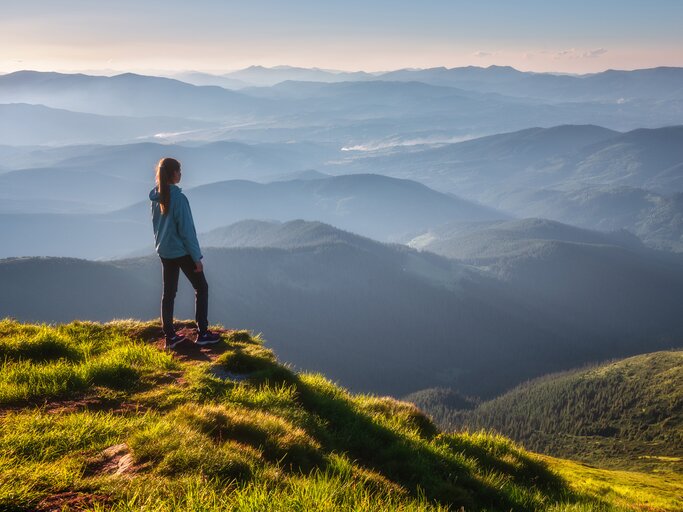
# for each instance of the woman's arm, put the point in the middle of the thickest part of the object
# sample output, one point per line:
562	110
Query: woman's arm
186	229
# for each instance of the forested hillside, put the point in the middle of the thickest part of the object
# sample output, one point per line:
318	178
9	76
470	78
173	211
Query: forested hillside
627	413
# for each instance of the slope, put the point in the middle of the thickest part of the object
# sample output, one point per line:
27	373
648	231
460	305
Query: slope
96	416
484	243
626	413
573	277
656	218
639	158
22	124
482	166
127	94
561	156
284	235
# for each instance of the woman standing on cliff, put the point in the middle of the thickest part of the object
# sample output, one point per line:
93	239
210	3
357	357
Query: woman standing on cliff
177	246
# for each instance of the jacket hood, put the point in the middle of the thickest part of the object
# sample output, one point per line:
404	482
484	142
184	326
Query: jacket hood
154	193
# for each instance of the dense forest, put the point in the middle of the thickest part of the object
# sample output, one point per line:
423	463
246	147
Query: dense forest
627	413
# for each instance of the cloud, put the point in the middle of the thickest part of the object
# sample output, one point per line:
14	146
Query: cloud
482	54
594	53
573	53
397	142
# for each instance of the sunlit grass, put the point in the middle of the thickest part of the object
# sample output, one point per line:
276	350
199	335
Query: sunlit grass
37	435
645	491
243	432
52	362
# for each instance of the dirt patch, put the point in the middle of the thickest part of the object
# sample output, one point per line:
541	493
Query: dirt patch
115	460
71	501
93	404
222	373
189	351
152	333
65	406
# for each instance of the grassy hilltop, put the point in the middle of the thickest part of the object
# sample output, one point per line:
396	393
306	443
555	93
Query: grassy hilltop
98	417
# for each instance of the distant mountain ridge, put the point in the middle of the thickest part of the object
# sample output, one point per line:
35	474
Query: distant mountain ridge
154	96
486	242
655	218
658	82
655	83
533	158
259	75
372	205
284	235
22	124
125	171
583	175
289	108
435	322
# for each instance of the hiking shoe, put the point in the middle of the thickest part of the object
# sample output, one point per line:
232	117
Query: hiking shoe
174	341
207	338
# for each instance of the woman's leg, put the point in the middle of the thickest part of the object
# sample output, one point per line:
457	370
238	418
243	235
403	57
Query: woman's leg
170	270
201	290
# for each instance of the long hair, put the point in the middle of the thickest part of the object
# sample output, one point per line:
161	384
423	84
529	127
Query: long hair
166	168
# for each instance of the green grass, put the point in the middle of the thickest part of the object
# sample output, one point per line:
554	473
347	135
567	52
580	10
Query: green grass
642	491
238	432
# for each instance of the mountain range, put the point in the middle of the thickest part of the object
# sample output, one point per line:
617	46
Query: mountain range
507	175
583	175
25	125
567	156
127	94
81	173
433	321
323	111
609	85
372	205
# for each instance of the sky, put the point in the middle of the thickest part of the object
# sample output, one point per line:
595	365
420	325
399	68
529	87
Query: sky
218	36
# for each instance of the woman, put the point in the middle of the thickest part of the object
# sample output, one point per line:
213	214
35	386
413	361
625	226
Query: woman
178	248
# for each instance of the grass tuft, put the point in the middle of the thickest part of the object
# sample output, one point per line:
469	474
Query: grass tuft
247	359
43	345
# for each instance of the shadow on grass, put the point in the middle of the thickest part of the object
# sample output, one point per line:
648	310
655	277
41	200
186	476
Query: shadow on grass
445	469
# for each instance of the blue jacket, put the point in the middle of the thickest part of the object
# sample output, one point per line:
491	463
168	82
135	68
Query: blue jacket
174	231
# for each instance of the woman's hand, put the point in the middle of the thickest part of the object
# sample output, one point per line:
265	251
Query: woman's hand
199	267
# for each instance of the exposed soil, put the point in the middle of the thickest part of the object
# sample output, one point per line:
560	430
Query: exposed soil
188	350
153	333
71	501
92	403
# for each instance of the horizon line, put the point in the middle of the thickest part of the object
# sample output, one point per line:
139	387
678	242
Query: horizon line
113	72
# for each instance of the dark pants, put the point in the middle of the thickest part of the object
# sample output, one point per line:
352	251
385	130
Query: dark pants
170	271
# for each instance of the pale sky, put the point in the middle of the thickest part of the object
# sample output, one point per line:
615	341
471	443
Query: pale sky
217	36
